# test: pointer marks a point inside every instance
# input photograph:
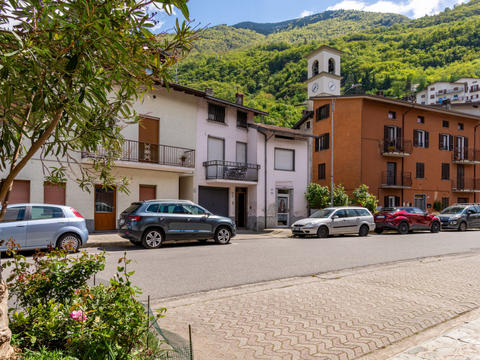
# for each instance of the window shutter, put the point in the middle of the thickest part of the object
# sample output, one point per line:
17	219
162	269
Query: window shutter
327	141
440	142
399	135
385	201
317	142
450	142
427	139
466	144
385	133
397	200
415	138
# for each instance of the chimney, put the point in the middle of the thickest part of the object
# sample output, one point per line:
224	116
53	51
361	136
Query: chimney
446	104
239	98
209	91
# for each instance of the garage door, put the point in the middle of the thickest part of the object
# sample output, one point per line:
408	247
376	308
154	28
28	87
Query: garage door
20	192
214	199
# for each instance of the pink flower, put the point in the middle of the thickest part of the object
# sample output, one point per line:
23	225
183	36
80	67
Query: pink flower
78	315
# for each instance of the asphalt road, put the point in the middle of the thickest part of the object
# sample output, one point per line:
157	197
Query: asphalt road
180	269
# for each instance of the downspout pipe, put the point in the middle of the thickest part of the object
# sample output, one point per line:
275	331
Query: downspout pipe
266	137
403	144
474	155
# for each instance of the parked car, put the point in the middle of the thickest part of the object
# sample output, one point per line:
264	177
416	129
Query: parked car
460	217
37	226
150	223
335	221
405	219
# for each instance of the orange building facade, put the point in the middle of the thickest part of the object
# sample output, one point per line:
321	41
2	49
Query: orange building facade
408	154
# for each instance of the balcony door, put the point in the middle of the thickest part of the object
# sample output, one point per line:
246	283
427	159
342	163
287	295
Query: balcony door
215	151
461	146
393	137
148	136
391	173
460	177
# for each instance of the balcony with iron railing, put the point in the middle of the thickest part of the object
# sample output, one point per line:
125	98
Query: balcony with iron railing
466	185
231	170
466	156
147	153
396	181
396	148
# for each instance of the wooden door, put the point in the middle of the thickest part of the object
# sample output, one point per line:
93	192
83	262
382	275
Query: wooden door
105	208
148	133
147	192
241	207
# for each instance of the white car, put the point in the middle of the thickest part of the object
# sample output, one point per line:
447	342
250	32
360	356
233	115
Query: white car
336	221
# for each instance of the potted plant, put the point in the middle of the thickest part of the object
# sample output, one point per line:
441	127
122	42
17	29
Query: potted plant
183	157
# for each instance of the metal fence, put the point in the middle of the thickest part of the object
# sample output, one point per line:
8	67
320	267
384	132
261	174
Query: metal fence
231	170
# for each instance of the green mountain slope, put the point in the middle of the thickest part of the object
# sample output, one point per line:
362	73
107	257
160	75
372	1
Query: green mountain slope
272	73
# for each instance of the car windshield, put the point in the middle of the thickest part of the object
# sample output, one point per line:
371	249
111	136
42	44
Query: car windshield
324	213
453	210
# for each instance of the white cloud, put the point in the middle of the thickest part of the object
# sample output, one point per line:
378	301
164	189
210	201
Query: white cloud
306	13
412	8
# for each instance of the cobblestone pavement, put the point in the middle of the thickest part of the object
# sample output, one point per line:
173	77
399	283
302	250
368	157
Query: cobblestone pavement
339	315
461	343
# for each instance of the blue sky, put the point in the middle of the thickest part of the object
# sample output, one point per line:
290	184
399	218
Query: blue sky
214	12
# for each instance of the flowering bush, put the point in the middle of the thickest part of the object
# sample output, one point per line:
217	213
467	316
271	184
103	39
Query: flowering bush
58	311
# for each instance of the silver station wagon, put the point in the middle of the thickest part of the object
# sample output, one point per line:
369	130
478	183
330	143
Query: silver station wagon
336	221
38	226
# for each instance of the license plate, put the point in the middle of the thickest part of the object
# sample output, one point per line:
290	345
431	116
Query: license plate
380	217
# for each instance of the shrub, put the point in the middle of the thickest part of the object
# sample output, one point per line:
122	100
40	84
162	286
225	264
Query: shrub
318	197
362	197
340	197
437	206
60	314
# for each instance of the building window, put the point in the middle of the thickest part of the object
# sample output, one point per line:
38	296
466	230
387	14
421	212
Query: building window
445	123
321	171
307	125
420	138
420	119
420	171
242	119
432	96
460	126
462	200
391	201
322	142
284	159
331	66
216	113
323	112
432	89
445	142
392	115
445	202
241	156
315	68
445	171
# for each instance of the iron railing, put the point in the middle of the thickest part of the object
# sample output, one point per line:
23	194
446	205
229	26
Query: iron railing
397	146
393	180
143	152
466	155
466	185
230	170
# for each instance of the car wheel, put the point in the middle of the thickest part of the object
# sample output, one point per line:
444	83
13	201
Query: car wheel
223	235
379	230
322	232
152	239
435	227
403	228
462	226
364	230
69	243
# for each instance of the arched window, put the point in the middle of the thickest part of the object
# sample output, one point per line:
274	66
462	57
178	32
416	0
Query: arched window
331	66
315	68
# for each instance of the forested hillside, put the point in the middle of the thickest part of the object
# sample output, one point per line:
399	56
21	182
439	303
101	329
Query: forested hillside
272	71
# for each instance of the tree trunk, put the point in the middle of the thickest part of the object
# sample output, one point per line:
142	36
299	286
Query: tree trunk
6	351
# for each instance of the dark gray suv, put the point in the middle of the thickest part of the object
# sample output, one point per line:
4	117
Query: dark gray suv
150	223
460	217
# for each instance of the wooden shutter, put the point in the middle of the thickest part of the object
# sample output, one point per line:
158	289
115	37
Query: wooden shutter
427	141
385	201
440	142
20	192
147	192
450	142
399	136
466	145
397	200
327	141
317	144
54	193
415	138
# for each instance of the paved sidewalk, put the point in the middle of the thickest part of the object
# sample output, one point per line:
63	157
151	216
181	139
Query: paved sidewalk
460	343
112	239
339	315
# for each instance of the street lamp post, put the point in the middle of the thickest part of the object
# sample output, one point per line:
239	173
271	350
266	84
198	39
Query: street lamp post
332	109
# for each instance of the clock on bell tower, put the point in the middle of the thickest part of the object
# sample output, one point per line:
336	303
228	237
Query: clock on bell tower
324	73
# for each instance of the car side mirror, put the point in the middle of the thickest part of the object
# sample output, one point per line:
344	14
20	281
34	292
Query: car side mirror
334	217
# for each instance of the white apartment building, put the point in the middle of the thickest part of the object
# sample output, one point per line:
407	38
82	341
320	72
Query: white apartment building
190	145
464	90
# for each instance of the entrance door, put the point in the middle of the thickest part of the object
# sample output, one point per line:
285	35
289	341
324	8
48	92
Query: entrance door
105	208
241	207
283	208
214	199
391	173
148	133
460	177
461	148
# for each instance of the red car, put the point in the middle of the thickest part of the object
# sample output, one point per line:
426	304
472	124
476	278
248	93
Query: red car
405	219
